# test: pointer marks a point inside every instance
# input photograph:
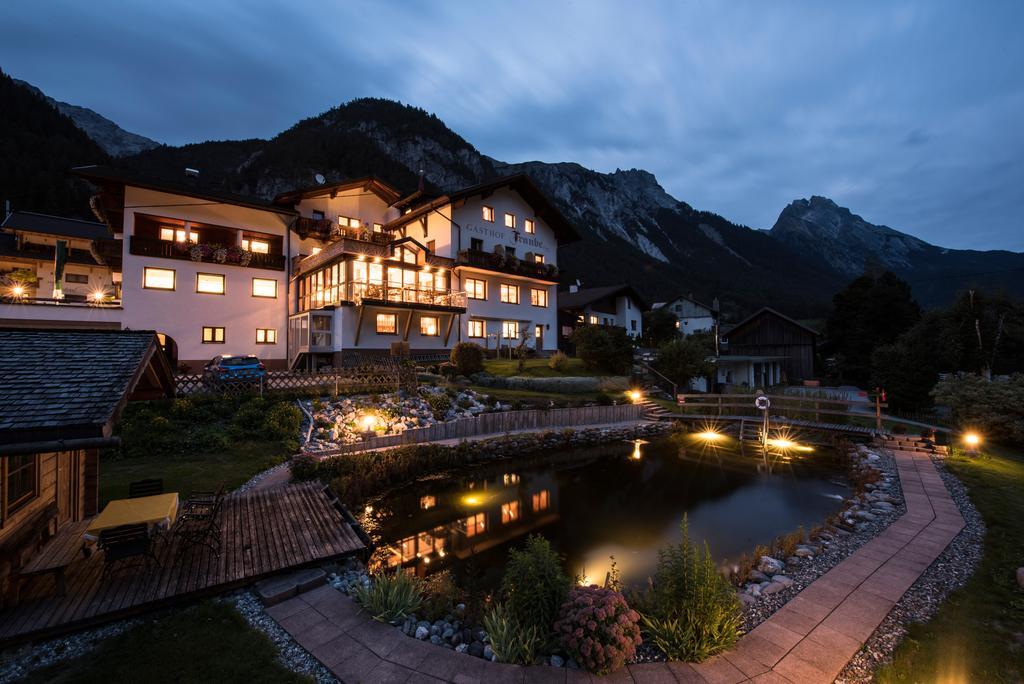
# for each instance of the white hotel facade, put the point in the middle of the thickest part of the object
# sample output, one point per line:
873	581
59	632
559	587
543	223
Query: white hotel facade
322	274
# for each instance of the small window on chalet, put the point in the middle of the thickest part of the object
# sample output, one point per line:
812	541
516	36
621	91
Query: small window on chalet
510	220
488	214
20	482
529	226
76	278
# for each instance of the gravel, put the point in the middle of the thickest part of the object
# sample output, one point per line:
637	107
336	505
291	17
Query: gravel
949	572
290	654
18	662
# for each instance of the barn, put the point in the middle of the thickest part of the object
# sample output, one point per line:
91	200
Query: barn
772	334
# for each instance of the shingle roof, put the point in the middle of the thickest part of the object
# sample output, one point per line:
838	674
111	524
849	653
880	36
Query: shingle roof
9	247
67	384
55	225
584	296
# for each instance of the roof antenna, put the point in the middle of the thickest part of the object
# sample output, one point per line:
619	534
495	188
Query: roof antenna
420	188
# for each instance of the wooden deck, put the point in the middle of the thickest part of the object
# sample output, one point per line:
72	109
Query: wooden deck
262	532
778	421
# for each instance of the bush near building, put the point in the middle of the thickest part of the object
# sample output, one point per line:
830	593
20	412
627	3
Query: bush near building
609	348
468	358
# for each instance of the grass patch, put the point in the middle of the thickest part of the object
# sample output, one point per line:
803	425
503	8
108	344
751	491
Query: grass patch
975	637
537	398
538	368
210	642
199	443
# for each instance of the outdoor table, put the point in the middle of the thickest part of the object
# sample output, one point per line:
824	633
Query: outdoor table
156	511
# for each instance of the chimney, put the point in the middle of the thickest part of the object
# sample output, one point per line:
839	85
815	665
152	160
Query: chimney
575	287
191	173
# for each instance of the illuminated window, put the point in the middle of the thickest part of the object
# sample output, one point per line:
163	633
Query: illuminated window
510	220
266	336
209	283
509	293
528	226
541	500
538	331
425	544
408	546
475	288
428	326
509	512
510	479
538	297
178	235
387	324
213	335
475	525
594	320
378	227
488	214
349	222
510	330
264	287
158	278
538	258
476	328
428	502
256	246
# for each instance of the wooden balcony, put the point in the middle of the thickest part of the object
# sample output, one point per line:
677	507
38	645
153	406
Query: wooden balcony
166	249
326	229
359	294
503	263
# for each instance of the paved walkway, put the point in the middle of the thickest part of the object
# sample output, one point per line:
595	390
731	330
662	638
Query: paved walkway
808	641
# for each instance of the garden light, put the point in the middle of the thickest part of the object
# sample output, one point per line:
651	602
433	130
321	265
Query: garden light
972	440
97	295
18	291
369	422
635	395
710	436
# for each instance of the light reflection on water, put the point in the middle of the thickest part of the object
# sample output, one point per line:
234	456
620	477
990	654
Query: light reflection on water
624	500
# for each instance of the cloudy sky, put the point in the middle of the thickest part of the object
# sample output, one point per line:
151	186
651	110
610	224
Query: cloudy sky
910	113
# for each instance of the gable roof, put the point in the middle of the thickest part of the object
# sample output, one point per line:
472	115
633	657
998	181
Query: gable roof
585	296
72	384
60	226
688	298
773	312
107	175
385	191
545	209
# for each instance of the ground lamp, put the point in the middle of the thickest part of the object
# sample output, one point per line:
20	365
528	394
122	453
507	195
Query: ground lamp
972	440
635	395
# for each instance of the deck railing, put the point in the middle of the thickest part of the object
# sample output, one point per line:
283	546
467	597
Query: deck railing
506	264
326	229
166	249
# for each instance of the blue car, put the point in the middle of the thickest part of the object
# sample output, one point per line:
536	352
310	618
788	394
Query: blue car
225	369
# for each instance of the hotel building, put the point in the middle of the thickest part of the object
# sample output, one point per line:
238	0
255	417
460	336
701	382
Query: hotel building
323	274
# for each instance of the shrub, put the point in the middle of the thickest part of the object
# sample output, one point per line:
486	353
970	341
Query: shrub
690	611
598	629
558	362
534	586
282	421
607	348
439	596
604	399
468	358
439	404
391	596
510	641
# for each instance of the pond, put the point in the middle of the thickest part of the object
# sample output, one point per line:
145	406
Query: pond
623	499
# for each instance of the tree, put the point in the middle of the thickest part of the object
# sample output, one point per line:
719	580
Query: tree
660	326
909	368
468	358
606	347
997	408
872	310
685	358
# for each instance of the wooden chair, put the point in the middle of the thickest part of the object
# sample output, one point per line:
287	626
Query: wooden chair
142	488
198	524
127	544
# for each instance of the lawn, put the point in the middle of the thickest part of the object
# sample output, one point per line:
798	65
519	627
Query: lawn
199	444
538	368
203	471
537	398
210	642
977	634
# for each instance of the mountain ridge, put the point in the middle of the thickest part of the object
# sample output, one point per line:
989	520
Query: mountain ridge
633	229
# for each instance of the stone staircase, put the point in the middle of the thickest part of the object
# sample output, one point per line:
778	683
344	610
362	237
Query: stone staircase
654	411
916	445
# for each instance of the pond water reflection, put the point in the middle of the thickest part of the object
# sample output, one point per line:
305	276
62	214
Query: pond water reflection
624	499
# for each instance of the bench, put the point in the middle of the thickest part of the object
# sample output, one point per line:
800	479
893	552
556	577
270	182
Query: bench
58	554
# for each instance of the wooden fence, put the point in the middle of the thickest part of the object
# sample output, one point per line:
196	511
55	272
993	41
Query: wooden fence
498	424
373	377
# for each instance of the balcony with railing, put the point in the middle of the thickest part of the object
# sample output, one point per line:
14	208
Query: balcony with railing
506	263
208	253
405	297
326	229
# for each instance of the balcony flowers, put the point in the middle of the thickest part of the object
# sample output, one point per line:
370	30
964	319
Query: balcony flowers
200	252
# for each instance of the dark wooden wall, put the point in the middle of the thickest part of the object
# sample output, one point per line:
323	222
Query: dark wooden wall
770	335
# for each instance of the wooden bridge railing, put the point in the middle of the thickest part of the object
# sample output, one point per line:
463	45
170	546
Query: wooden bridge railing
796	407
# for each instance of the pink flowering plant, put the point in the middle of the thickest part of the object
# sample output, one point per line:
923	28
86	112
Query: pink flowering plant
598	629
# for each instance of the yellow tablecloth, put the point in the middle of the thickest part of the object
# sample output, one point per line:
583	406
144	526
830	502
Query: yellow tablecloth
160	510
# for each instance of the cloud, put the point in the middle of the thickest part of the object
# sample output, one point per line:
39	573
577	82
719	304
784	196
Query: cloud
906	112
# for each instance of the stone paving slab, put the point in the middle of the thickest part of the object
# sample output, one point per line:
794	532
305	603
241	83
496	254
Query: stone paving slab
807	641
